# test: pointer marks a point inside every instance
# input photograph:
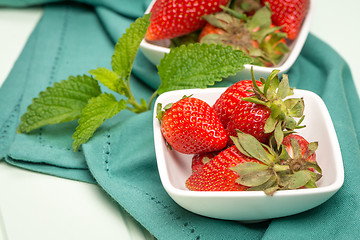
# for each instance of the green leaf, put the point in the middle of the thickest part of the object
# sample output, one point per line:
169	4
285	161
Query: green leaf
270	124
255	178
239	147
269	183
94	114
271	83
261	18
275	110
296	148
110	79
263	32
254	52
279	135
62	102
310	184
299	179
127	47
283	153
290	123
219	20
199	65
253	147
269	187
284	88
271	190
313	165
295	106
248	167
311	148
254	100
213	38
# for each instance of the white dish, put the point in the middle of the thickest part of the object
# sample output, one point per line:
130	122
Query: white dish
154	53
174	168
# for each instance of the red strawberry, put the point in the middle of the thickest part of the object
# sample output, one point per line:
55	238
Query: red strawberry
267	111
216	174
173	18
249	165
227	102
250	118
290	14
191	126
199	160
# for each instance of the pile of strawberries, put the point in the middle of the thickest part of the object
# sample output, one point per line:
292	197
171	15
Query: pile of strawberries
257	27
246	140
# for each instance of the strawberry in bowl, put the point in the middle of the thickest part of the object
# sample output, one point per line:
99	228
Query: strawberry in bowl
191	126
283	172
267	44
170	19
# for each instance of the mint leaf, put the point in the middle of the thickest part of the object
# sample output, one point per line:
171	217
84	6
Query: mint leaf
111	80
106	77
199	65
62	102
127	47
98	109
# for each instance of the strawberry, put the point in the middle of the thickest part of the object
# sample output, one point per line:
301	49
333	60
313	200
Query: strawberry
191	126
226	103
252	166
290	14
216	174
199	160
267	112
250	118
173	18
255	35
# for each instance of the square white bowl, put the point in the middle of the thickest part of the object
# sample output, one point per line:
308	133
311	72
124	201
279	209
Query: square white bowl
174	168
154	52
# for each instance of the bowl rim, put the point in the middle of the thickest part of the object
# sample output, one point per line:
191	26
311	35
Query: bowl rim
174	191
291	57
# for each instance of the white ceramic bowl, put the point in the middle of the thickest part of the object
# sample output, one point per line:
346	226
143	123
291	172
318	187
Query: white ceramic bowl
174	168
155	51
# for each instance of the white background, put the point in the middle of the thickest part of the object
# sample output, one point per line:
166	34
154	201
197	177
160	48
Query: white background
41	207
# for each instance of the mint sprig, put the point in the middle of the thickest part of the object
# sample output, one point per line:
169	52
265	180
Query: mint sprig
80	97
199	65
62	102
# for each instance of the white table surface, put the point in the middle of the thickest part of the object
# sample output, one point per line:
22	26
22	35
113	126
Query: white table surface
42	207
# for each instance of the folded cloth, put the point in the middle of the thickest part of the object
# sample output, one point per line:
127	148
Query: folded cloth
72	38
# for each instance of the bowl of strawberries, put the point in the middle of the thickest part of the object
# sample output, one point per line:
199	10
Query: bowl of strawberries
247	152
271	32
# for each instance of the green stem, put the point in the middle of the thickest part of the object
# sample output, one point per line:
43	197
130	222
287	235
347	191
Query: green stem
280	168
153	96
132	101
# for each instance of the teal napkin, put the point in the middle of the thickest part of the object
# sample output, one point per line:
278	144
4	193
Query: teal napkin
72	38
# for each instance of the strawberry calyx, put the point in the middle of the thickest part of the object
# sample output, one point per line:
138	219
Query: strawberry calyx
160	110
278	171
274	95
298	161
255	35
